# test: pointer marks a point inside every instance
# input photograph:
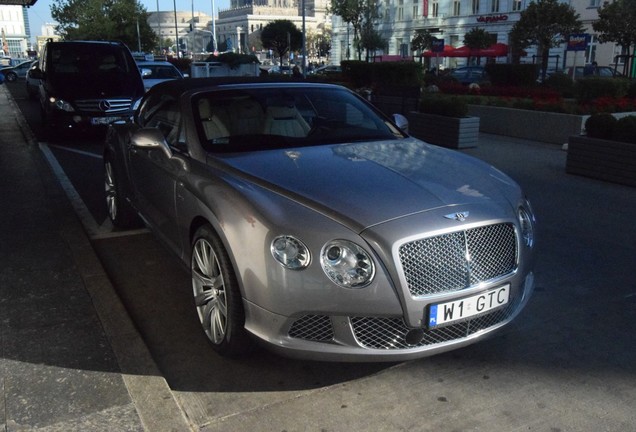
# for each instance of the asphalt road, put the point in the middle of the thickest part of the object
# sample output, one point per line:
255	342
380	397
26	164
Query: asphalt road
568	363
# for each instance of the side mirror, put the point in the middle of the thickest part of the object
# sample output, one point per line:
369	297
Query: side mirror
401	122
151	138
36	73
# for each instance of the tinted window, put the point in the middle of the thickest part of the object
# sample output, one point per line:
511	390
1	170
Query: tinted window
71	59
265	118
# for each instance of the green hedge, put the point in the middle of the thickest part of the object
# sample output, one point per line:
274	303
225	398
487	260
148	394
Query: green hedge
376	75
504	74
590	88
450	106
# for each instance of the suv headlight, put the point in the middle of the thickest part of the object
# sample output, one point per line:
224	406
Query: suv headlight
347	264
61	104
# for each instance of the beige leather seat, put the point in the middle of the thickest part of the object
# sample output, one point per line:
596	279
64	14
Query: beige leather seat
285	121
212	124
246	116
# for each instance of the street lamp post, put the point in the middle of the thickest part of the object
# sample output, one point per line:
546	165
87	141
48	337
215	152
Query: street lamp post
214	47
176	30
304	64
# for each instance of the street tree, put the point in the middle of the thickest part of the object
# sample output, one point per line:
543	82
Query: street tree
477	39
423	40
282	36
616	24
546	24
361	15
370	39
121	20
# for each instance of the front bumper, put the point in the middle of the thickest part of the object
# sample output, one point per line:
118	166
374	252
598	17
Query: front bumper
378	338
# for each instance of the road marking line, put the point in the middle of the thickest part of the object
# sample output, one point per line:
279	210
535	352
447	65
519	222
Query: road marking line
93	230
72	150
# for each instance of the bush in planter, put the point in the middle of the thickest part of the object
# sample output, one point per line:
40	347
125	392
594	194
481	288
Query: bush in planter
600	125
625	129
450	106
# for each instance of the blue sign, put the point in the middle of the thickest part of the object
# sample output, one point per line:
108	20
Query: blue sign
578	42
437	45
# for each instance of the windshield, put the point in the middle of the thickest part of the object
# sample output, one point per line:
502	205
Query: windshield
266	118
74	59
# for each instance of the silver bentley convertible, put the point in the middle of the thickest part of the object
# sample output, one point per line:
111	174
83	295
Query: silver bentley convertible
313	224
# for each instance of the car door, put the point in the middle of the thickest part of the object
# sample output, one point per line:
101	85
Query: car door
154	175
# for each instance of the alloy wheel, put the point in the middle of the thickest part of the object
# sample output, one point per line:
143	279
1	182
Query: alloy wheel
209	291
111	190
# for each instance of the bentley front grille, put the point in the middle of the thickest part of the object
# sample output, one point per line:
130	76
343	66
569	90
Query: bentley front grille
391	333
316	328
459	260
104	106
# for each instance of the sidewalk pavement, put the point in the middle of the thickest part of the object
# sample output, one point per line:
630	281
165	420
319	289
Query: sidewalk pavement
72	359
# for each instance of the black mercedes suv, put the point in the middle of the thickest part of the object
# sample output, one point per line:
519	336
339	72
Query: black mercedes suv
86	84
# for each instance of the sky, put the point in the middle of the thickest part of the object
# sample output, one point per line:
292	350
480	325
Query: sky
40	13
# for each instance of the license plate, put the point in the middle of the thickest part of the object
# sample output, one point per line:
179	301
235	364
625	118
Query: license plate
447	313
102	120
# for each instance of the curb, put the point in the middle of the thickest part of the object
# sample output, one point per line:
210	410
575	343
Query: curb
156	406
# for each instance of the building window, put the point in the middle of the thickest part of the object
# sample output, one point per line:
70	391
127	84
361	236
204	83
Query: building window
456	7
435	8
475	7
590	51
516	5
494	6
400	10
595	3
416	10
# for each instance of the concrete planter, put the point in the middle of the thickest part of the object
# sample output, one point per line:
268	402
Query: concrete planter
451	132
610	161
543	126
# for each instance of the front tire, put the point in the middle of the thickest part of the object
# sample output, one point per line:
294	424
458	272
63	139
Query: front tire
120	211
11	77
216	295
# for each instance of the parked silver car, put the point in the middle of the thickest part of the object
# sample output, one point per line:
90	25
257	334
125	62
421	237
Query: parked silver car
313	225
13	73
154	72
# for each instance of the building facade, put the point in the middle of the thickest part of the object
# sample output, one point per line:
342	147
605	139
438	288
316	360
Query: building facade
190	29
239	26
15	31
450	20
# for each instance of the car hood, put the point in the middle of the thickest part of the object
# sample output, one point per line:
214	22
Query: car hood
374	182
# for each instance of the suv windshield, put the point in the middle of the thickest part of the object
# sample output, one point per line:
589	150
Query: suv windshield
74	59
266	118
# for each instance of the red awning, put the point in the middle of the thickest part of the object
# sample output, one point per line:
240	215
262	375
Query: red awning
448	50
495	50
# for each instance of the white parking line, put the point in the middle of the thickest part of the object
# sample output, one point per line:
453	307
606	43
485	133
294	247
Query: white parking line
93	229
72	150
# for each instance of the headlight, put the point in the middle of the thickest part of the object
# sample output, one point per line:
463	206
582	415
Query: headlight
347	264
61	104
526	221
290	252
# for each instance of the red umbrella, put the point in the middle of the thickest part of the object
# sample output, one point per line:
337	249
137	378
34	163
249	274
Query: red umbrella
448	52
462	51
495	50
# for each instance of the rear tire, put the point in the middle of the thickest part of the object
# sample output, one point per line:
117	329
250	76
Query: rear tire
216	295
